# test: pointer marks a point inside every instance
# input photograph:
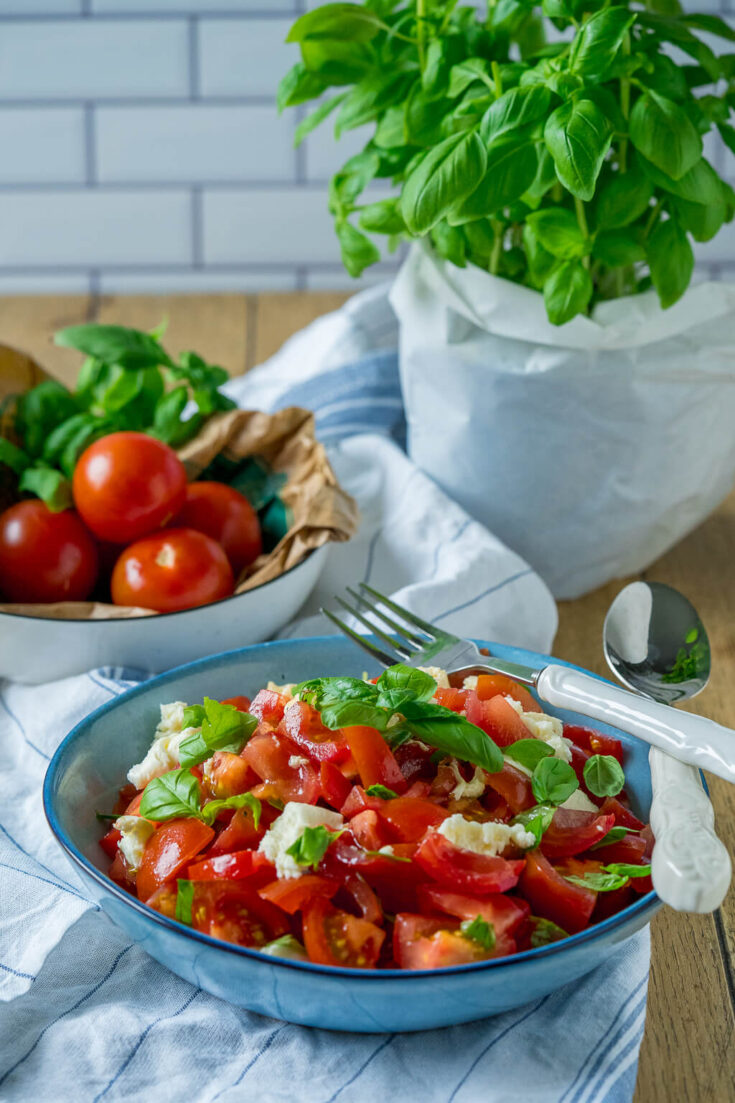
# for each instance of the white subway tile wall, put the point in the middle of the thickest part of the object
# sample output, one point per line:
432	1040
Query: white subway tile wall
142	152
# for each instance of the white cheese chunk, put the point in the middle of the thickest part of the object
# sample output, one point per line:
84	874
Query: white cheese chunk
475	787
485	838
547	728
386	850
135	833
289	826
440	676
163	754
297	760
285	691
287	947
579	802
470	682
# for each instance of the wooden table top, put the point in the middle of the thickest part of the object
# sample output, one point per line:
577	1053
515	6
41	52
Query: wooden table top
688	1051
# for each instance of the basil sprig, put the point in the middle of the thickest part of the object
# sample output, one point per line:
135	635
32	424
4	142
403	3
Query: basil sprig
380	791
222	728
184	901
553	781
536	820
177	795
575	167
614	835
528	752
544	932
608	878
312	845
603	775
480	931
402	690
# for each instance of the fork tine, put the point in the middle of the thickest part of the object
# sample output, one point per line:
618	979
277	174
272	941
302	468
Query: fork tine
429	629
399	648
361	641
400	629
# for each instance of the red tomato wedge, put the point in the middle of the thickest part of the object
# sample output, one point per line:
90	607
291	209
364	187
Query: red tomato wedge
229	774
358	801
240	832
552	897
514	787
270	756
296	892
454	699
631	850
173	846
369	830
109	842
572	832
301	724
497	718
490	685
421	942
364	898
236	866
374	759
464	870
242	704
335	786
505	913
411	817
594	742
334	937
268	706
234	911
623	816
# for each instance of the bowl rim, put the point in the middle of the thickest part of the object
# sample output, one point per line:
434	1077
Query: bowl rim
649	902
158	616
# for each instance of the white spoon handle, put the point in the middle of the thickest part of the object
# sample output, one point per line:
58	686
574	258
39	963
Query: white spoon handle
683	735
690	867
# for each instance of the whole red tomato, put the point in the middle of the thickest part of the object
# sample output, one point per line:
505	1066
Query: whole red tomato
226	515
127	485
45	556
172	570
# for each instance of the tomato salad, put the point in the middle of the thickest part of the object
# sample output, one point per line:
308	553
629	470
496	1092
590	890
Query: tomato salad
393	823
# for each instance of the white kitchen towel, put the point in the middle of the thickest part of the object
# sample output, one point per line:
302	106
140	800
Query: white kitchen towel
87	1015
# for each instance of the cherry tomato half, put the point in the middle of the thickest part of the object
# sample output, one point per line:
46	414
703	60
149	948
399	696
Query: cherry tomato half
334	937
226	515
45	556
167	851
127	485
172	570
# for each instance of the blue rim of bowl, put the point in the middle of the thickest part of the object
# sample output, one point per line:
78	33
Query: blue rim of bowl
177	613
648	903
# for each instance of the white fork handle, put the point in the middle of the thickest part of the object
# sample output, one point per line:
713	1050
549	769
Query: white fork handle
683	735
690	867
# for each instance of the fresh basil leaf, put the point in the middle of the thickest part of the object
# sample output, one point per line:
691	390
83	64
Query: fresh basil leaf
347	714
53	488
326	691
711	24
545	932
312	845
226	728
173	796
128	348
382	217
390	131
193	750
286	947
623	199
671	260
553	781
578	137
15	458
381	791
450	243
623	869
423	117
418	683
351	180
510	170
298	86
599	881
41	410
515	108
543	181
434	74
664	134
369	98
211	810
317	116
700	220
603	775
614	835
558	231
337	21
540	262
480	931
528	752
105	816
465	73
358	251
598	41
184	901
567	292
194	716
536	820
447	175
452	734
615	248
700	184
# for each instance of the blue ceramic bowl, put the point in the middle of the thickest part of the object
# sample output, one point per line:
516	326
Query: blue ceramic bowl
91	764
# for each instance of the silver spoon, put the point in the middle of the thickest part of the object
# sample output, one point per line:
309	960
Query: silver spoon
656	645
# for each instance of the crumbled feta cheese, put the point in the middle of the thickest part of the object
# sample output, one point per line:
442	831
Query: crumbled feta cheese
473	788
289	826
287	947
548	728
297	760
163	754
485	838
470	682
386	850
285	691
579	802
440	676
135	833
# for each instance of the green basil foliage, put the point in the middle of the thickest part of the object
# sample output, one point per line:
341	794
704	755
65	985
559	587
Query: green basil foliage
544	932
611	877
127	382
380	791
577	170
401	690
614	835
184	901
528	752
222	728
177	795
536	820
312	845
553	781
603	775
480	931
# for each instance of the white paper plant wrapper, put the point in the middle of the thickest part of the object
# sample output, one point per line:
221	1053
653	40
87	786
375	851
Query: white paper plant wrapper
589	448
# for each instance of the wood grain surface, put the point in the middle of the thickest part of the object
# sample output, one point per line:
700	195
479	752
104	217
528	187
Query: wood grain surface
688	1053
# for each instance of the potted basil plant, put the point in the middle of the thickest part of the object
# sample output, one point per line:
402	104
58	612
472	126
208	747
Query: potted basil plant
562	377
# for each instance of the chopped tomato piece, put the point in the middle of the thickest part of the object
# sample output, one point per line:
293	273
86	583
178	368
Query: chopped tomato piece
164	900
233	911
295	892
394	876
490	685
623	816
552	897
242	704
497	718
424	943
335	786
464	870
514	787
236	866
229	774
454	699
172	847
109	842
369	830
358	801
121	873
271	756
594	742
631	850
133	808
610	903
414	760
269	707
302	725
411	817
505	913
334	937
571	832
363	897
374	758
647	836
239	834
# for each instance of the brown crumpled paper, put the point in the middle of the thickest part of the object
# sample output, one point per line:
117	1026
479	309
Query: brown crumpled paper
320	510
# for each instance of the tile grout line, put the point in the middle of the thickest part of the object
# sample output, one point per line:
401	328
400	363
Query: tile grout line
90	144
197	228
194	59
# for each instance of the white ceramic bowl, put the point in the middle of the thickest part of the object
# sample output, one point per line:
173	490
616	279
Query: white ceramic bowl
42	649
